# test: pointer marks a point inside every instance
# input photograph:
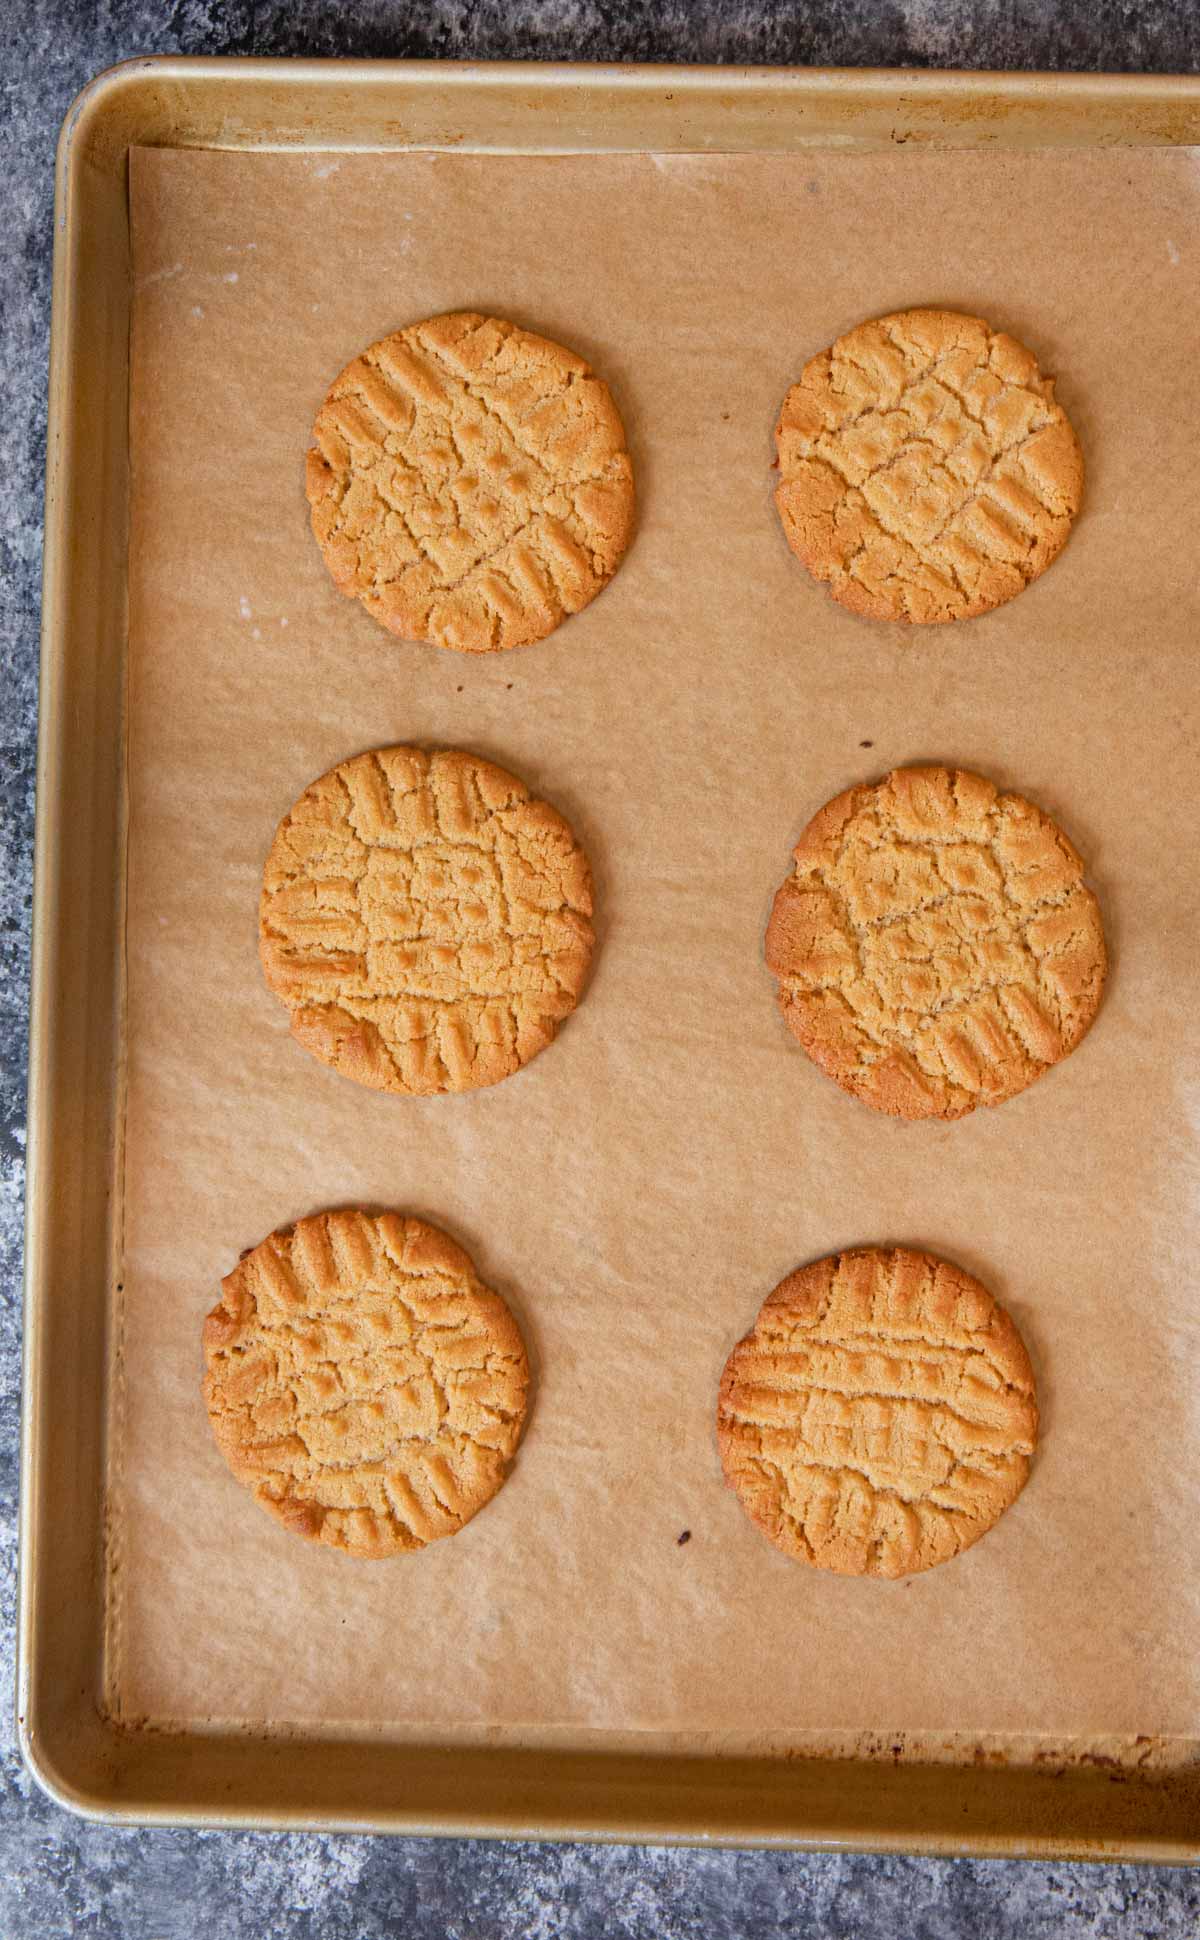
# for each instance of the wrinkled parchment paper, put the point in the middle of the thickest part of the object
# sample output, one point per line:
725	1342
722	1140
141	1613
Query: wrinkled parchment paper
638	1189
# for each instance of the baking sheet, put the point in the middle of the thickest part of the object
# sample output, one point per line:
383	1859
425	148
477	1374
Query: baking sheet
638	1189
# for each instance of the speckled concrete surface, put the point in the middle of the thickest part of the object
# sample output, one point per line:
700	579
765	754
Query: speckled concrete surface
59	1877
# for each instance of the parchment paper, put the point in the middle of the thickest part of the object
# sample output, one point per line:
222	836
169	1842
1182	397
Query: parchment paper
638	1189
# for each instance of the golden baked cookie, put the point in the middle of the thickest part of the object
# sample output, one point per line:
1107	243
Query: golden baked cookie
362	1383
935	946
425	920
469	483
881	1414
925	470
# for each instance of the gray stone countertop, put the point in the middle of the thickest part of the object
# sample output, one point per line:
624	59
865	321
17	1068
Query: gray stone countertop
59	1876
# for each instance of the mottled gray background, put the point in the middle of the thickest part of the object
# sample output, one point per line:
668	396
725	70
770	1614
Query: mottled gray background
58	1876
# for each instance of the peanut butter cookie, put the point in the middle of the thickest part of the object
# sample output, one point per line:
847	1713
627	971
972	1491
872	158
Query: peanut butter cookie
926	471
362	1383
935	945
880	1416
425	920
469	483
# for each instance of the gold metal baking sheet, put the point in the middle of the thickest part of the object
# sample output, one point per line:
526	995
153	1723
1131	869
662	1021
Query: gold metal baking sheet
1132	1791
